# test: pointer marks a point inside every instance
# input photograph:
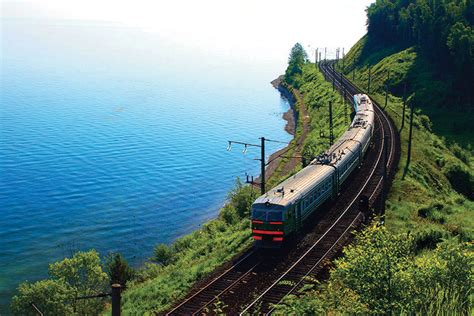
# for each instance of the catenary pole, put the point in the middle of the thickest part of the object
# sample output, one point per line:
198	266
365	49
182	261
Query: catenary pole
404	105
331	131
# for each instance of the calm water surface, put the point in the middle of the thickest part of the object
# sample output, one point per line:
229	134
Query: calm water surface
113	139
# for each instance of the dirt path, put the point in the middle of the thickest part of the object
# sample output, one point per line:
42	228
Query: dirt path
293	118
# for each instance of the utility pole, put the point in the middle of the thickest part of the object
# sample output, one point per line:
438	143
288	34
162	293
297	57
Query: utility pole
319	56
345	105
331	131
325	51
386	88
340	79
404	104
262	158
333	83
368	84
316	58
410	136
343	55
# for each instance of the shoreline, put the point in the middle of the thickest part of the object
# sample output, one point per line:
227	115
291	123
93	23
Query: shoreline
291	118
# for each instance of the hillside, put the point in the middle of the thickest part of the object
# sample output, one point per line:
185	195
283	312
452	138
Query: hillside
421	260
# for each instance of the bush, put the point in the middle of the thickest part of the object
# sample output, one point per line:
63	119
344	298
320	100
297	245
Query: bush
241	198
461	179
229	215
118	269
425	122
381	274
429	238
433	213
163	255
147	272
460	153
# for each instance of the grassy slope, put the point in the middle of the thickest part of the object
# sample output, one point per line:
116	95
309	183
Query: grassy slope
425	201
199	253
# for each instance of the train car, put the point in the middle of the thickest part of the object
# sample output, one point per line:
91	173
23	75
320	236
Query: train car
282	210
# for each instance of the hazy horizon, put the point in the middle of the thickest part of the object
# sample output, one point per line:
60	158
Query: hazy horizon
216	27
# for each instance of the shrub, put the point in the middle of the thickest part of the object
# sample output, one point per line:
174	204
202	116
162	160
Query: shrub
163	255
147	272
118	269
433	213
461	179
429	238
241	198
460	153
425	122
381	274
229	215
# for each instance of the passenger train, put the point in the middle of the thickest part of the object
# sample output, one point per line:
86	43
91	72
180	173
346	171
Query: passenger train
282	211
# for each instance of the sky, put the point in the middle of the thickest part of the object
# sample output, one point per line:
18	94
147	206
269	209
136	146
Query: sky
260	27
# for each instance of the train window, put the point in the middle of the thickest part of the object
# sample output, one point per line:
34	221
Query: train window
259	215
274	216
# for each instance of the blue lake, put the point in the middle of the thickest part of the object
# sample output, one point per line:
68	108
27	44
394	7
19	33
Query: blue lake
114	139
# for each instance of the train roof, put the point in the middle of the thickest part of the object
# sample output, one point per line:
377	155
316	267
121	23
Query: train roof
295	186
322	167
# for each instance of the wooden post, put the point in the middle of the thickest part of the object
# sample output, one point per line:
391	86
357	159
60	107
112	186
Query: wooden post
116	298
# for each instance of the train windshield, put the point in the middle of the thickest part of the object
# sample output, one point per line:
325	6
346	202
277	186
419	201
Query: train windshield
272	216
260	215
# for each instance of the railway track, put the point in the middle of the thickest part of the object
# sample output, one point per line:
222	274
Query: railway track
273	278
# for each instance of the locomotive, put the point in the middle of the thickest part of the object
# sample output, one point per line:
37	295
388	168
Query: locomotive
283	210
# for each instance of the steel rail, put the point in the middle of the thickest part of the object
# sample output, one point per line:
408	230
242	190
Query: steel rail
219	277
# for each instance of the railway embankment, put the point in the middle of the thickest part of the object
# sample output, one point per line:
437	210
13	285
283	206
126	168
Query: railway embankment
405	265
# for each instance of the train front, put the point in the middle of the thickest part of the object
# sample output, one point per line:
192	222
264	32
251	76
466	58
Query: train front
268	224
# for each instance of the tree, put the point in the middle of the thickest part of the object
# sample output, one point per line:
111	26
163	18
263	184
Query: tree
69	279
296	61
48	295
118	269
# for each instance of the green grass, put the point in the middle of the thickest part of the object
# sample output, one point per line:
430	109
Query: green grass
201	252
317	94
428	180
431	204
192	257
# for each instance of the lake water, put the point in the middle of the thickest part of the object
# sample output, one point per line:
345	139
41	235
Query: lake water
113	139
